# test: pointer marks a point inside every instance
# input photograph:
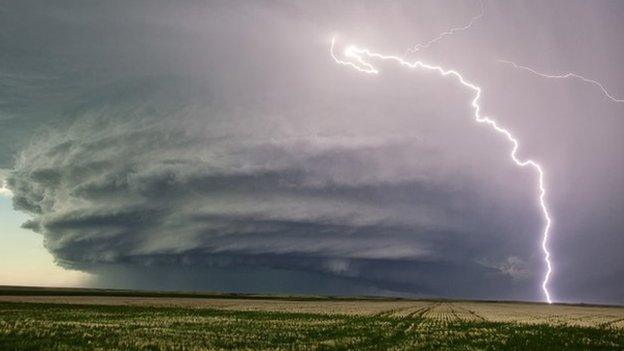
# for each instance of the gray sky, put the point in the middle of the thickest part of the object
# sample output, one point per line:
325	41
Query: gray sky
217	145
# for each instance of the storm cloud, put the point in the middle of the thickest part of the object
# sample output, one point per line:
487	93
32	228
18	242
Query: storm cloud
217	146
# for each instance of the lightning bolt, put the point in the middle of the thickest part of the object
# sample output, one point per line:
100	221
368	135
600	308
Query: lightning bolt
356	59
449	32
565	76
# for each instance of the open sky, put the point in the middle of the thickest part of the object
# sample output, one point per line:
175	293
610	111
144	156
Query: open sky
212	145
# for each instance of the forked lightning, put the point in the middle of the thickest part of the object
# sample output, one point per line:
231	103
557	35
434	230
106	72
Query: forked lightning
449	32
565	76
356	58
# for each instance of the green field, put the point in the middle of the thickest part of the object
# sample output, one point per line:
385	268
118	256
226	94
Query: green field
45	326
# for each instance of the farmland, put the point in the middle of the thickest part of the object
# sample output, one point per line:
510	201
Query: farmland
100	321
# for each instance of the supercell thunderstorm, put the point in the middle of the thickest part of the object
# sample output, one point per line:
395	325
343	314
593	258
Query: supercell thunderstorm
201	146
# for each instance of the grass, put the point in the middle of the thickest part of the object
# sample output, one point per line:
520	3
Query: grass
7	290
26	326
